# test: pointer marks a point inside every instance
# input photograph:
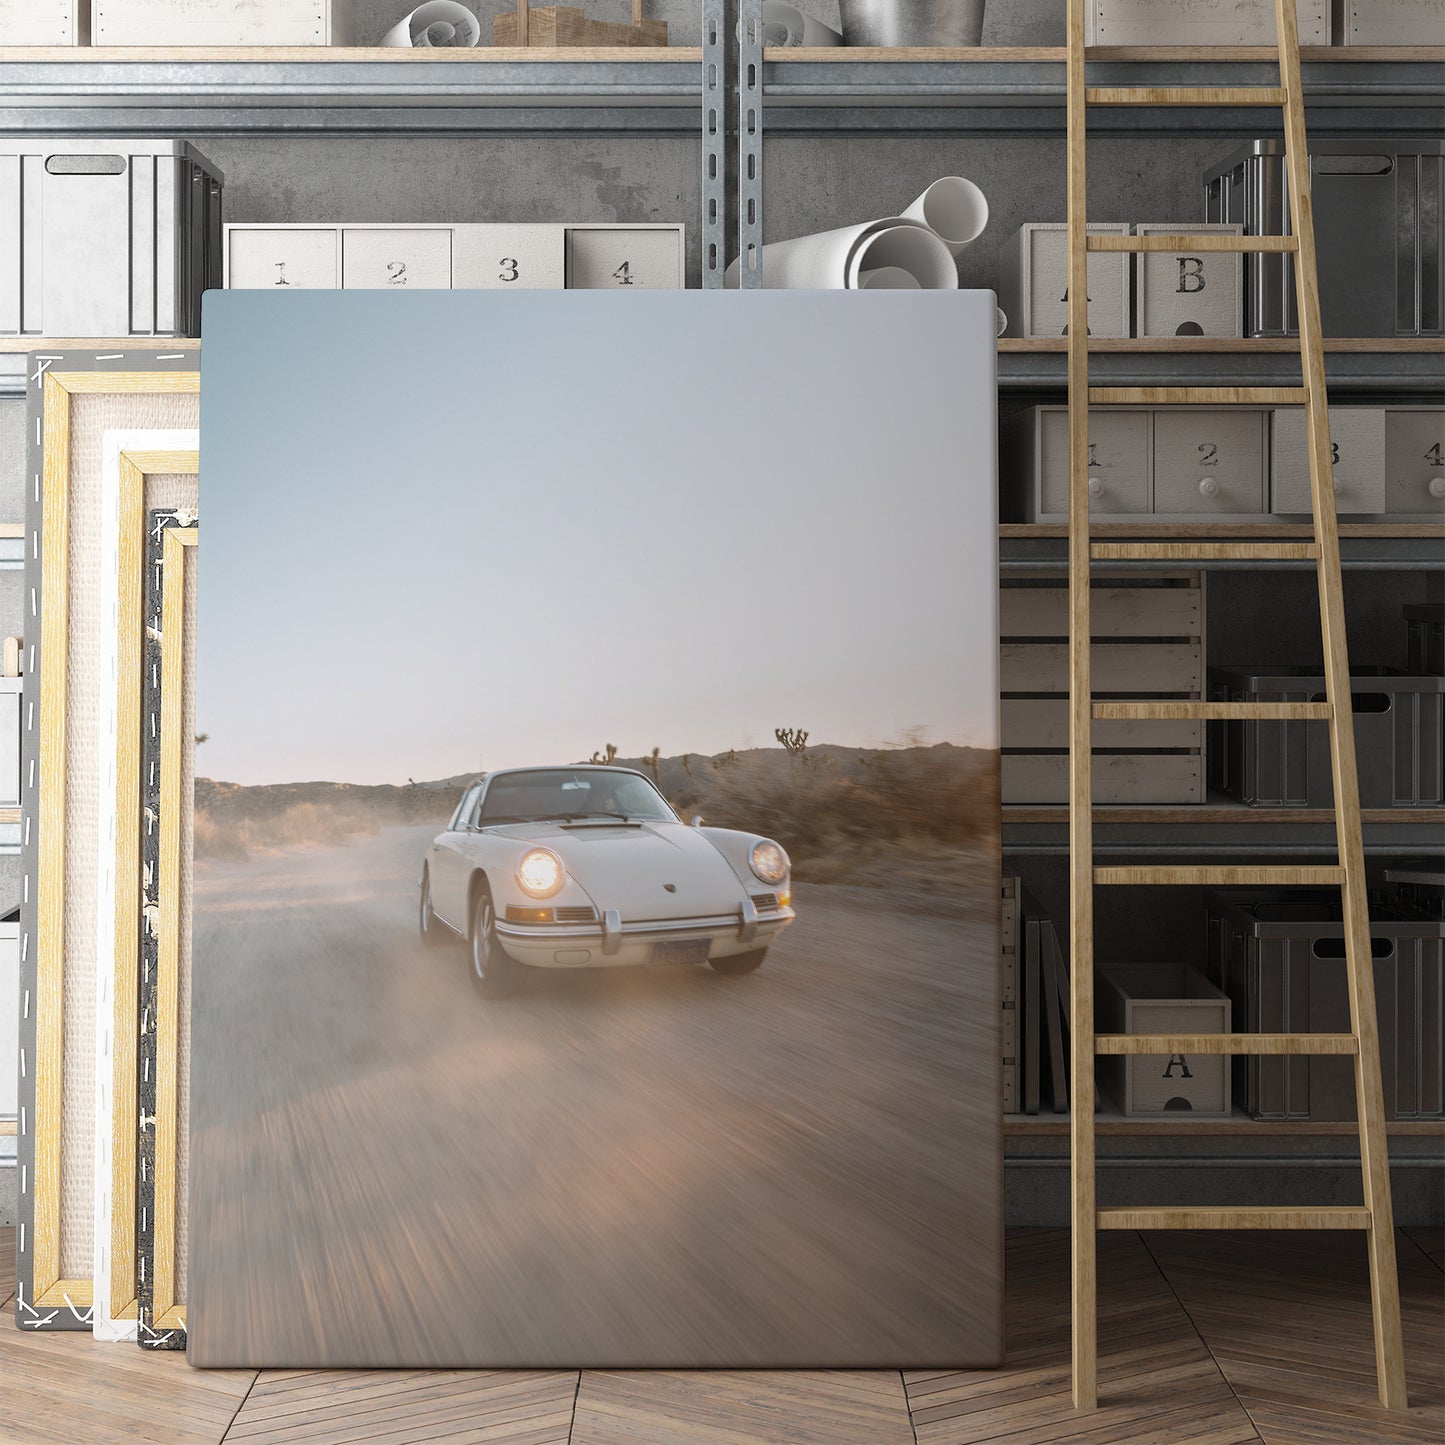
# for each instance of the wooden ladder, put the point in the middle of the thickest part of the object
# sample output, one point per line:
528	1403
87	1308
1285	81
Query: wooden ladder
1376	1217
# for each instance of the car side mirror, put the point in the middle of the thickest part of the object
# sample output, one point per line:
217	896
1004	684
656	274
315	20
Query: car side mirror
695	821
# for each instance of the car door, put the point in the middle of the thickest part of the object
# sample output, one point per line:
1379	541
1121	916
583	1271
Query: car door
448	868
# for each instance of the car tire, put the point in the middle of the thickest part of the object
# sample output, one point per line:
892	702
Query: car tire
738	963
432	930
494	973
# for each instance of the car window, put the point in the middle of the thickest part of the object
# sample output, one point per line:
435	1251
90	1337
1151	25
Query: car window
571	793
464	808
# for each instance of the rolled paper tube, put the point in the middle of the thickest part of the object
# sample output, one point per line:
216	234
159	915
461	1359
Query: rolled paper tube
1002	320
954	209
786	25
440	24
888	278
829	260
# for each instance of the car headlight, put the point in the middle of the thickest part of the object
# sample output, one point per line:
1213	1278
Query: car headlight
769	861
540	873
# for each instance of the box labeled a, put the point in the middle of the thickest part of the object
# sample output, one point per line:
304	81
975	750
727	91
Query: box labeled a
1189	292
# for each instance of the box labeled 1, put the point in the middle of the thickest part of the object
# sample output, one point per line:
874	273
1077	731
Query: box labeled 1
1189	293
1357	455
300	258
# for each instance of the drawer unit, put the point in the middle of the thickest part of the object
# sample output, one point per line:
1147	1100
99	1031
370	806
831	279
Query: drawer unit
646	257
1033	288
223	22
1357	451
1148	635
1389	22
1184	293
44	22
502	257
1037	445
1209	462
300	257
1281	959
1201	22
481	256
1163	999
106	237
377	258
1377	215
1415	460
1399	739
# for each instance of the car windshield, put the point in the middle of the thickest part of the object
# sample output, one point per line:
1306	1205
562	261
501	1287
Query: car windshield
567	793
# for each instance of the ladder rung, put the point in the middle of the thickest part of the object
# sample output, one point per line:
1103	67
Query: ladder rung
1270	1044
1152	551
1214	876
1198	395
1185	95
1217	711
1309	1217
1185	241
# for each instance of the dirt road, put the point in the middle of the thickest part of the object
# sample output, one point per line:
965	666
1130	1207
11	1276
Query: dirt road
642	1167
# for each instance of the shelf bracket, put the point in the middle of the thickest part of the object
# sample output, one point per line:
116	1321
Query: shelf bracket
715	92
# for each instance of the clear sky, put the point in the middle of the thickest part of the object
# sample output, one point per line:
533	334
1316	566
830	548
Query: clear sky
446	531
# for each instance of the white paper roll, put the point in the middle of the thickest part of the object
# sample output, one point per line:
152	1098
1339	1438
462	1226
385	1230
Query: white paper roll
834	260
785	24
438	24
954	208
1002	320
888	278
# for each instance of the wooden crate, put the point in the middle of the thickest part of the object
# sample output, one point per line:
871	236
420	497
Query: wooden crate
557	26
1201	22
1148	635
44	22
1009	989
223	22
1388	22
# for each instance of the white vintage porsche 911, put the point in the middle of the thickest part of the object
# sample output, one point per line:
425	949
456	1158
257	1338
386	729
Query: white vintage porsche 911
589	866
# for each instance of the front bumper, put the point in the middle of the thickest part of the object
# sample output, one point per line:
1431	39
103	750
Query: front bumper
619	944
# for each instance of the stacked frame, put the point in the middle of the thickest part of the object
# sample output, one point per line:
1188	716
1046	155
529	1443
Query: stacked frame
75	398
162	938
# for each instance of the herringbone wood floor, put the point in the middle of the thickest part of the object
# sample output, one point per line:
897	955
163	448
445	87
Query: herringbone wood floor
1205	1340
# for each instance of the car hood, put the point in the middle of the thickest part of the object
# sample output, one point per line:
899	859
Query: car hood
628	866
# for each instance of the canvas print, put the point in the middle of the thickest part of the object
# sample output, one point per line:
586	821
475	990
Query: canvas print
596	865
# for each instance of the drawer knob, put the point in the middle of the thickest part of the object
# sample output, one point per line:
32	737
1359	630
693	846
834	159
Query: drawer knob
1096	486
1208	487
1436	487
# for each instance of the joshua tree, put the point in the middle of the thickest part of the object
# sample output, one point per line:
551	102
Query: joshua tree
653	763
794	739
729	759
609	751
687	764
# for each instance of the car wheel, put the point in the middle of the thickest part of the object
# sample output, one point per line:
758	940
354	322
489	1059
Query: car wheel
736	963
493	973
432	930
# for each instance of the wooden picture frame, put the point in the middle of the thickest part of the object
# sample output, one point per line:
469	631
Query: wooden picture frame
74	397
171	545
135	462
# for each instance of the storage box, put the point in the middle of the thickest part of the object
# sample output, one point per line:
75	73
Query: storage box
1200	22
1036	457
1357	450
1188	293
1399	739
1148	635
1377	234
44	22
223	22
1415	460
1425	637
464	257
1280	957
106	237
1388	22
1033	282
11	689
1162	999
1209	462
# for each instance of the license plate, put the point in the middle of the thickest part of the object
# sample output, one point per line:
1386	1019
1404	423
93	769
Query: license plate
681	950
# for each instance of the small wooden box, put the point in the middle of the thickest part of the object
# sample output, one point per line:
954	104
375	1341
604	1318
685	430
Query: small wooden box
1357	438
1209	462
506	257
1201	22
300	257
387	258
1189	293
1415	460
223	22
640	257
1033	287
1163	999
1036	447
1389	22
44	22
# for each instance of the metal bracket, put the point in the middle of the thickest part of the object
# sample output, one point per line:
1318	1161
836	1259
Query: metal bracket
714	143
750	144
732	106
